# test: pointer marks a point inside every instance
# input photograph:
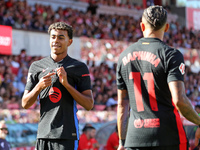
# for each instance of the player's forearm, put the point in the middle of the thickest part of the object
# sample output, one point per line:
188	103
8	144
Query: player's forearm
85	99
29	98
122	121
186	109
182	103
122	114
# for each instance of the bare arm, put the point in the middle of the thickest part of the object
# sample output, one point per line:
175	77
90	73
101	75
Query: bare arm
29	97
184	106
85	98
122	115
182	103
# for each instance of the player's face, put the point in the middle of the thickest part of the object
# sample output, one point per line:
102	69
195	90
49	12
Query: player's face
59	42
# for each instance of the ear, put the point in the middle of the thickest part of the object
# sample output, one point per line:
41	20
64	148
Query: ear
166	27
142	26
69	42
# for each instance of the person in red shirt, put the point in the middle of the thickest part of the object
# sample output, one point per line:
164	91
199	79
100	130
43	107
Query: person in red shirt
113	141
87	139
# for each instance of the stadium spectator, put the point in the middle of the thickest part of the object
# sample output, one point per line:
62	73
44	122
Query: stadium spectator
21	85
13	103
39	17
113	141
87	139
4	145
111	103
15	64
92	7
99	99
23	72
197	108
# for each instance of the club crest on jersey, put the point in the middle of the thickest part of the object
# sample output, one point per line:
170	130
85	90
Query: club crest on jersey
182	68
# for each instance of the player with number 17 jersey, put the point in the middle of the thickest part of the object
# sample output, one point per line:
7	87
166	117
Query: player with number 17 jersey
144	69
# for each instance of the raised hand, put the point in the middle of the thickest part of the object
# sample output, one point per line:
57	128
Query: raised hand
62	75
46	80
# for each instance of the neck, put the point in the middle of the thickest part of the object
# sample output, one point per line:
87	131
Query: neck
154	34
58	58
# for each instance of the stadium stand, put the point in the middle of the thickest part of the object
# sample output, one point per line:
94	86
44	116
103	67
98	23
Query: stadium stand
99	25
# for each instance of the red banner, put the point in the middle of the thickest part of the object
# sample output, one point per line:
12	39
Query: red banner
5	40
192	20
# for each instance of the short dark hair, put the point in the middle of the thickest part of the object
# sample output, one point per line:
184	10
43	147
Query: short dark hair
156	16
197	106
89	128
86	125
61	26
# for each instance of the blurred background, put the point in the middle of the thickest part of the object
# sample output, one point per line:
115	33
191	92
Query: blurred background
102	30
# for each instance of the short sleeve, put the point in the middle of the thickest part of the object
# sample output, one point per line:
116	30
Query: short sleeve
176	66
32	78
84	81
120	81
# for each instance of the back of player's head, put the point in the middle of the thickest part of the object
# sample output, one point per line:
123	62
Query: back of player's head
156	16
61	26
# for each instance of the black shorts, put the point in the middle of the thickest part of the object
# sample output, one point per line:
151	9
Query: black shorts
56	144
184	146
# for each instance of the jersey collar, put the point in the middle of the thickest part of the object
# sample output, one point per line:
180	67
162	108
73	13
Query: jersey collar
150	40
60	62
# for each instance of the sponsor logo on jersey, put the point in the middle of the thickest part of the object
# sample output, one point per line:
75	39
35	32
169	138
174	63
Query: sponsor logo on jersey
182	68
55	94
141	55
147	123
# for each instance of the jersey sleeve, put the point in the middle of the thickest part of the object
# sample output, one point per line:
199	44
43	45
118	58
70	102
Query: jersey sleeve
176	66
32	79
84	81
120	81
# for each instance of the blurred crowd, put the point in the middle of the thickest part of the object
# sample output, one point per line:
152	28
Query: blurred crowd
116	3
90	24
13	76
14	68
